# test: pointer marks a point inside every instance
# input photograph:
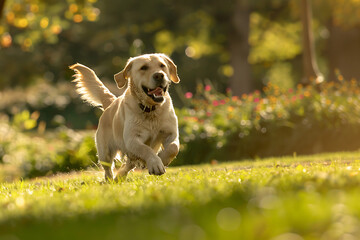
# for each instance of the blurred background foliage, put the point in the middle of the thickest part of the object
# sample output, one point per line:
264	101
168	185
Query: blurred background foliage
214	44
43	37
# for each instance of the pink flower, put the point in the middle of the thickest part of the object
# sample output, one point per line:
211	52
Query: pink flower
256	100
207	88
222	102
188	95
215	103
291	90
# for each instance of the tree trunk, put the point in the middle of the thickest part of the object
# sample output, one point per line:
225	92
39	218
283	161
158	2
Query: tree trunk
343	51
241	81
2	4
310	67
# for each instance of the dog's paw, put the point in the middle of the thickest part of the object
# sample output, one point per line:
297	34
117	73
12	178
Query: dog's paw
156	168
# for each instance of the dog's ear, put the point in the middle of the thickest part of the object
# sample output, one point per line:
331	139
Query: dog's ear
173	69
122	77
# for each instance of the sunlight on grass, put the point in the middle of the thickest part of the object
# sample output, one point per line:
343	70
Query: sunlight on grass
313	197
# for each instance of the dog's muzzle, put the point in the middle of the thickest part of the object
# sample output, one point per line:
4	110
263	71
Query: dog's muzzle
157	94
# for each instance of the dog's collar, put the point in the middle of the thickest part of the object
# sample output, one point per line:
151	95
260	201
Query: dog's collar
146	108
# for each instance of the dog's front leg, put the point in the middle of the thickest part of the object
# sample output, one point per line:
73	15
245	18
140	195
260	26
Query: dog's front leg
136	148
144	152
170	148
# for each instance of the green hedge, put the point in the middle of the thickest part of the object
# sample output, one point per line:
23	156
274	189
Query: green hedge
26	154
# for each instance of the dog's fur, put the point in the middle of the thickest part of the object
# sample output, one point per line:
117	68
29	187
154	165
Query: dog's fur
139	125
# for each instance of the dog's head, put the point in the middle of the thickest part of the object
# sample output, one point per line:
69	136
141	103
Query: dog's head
150	75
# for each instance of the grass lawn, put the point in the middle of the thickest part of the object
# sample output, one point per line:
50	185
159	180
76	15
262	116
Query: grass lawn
290	198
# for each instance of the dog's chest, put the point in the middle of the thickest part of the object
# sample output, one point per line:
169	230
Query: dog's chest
153	132
154	136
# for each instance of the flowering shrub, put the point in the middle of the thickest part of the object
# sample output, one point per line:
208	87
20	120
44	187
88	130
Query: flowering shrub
212	126
276	122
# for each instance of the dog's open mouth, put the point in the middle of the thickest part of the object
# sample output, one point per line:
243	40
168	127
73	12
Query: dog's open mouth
157	94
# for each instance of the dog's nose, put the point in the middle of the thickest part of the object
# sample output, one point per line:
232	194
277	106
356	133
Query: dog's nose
158	77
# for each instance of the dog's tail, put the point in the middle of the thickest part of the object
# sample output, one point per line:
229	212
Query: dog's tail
90	88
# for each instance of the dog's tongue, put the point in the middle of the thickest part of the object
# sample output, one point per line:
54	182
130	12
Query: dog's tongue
157	91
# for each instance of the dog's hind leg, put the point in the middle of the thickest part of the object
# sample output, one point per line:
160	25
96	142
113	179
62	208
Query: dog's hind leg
106	159
127	166
106	151
107	162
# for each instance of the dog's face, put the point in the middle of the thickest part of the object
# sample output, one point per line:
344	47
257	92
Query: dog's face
150	75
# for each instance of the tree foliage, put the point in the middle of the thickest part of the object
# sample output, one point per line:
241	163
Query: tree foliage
29	22
43	37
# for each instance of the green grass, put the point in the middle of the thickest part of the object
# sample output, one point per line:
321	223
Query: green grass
292	198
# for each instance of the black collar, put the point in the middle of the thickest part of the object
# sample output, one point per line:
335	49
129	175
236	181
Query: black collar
146	108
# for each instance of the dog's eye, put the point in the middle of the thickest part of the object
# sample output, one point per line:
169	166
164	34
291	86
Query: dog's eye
144	68
162	65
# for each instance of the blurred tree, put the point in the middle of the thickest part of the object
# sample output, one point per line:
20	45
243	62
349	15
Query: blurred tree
2	4
343	51
213	35
311	70
27	31
341	32
230	32
241	80
238	43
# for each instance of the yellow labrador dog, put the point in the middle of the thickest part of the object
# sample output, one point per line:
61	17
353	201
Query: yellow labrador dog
139	125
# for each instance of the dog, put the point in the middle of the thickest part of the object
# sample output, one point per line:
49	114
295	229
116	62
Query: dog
140	125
